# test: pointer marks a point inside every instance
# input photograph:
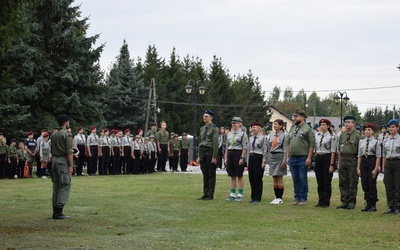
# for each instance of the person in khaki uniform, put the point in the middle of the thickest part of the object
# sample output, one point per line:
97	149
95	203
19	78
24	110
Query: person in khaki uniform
62	166
162	139
347	158
184	147
208	152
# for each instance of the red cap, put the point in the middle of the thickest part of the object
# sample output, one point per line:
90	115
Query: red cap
79	128
92	128
43	130
105	130
29	133
256	124
326	121
369	125
139	130
127	130
45	134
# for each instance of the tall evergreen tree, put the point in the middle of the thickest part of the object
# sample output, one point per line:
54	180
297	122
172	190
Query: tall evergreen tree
123	99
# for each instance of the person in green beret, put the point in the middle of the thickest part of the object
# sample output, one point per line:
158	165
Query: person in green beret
347	158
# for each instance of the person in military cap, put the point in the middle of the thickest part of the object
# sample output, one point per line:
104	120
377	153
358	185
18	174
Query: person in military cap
80	140
162	138
208	152
44	153
105	152
184	146
92	149
325	146
368	166
347	158
137	153
300	147
13	158
126	152
62	166
116	144
175	152
30	147
170	154
391	167
235	153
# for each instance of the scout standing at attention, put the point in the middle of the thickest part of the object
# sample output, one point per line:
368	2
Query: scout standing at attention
325	144
80	140
208	152
236	150
44	152
391	167
368	166
347	158
62	166
92	149
162	139
184	147
175	152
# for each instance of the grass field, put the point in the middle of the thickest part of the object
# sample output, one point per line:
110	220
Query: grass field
160	211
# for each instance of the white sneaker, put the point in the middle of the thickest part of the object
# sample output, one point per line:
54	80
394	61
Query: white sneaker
44	177
277	201
273	201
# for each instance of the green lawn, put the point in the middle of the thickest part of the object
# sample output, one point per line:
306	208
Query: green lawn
160	211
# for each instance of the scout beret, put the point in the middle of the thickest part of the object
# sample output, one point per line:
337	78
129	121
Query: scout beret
309	123
105	130
92	128
184	134
43	130
13	140
63	118
382	126
171	134
358	128
393	122
151	136
369	125
176	135
209	112
139	130
236	119
256	124
46	134
79	128
301	113
332	126
146	138
341	125
315	126
127	130
349	117
326	121
29	133
153	124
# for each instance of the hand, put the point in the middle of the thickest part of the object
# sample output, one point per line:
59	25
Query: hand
90	154
374	173
198	160
70	170
214	161
338	166
331	169
358	172
225	161
41	159
263	165
159	150
283	166
308	161
241	161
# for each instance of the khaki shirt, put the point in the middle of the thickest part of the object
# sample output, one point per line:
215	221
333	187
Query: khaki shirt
374	148
209	139
300	139
3	147
349	147
174	145
151	132
280	147
21	154
92	140
325	143
259	144
12	152
61	143
162	136
391	147
185	144
237	140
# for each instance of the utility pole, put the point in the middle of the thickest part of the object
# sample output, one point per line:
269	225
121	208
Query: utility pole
394	111
153	80
152	93
148	109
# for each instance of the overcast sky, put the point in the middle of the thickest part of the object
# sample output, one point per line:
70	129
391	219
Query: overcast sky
311	44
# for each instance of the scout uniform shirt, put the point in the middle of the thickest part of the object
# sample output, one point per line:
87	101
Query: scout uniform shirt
116	142
162	136
237	140
300	139
151	132
280	144
21	154
325	143
184	144
136	145
80	139
348	143
209	138
13	152
105	141
61	143
3	147
374	148
175	145
257	145
152	146
126	141
92	140
391	147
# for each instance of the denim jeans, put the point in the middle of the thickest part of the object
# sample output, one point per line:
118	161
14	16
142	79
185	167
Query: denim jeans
299	171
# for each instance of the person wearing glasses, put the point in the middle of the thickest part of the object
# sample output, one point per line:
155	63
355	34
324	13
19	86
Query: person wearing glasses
299	150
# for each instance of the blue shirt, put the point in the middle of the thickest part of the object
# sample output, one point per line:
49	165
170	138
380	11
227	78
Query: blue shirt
31	144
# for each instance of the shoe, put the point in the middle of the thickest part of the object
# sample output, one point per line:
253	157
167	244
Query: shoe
389	211
239	198
208	198
318	205
302	203
273	201
295	202
396	211
252	201
277	201
372	209
343	206
58	215
351	206
366	208
230	198
202	197
44	177
256	201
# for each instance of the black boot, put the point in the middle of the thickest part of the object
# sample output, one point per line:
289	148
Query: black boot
60	215
367	207
372	207
54	212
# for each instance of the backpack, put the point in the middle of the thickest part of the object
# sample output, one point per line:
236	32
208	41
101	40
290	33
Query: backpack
26	171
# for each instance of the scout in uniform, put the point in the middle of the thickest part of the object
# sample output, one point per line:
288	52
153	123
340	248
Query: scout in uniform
170	154
300	147
175	152
136	154
208	152
275	157
3	157
30	147
325	147
104	152
236	149
153	153
184	149
92	149
391	167
368	166
162	145
347	158
21	159
146	155
45	154
126	152
381	139
116	144
257	150
13	158
62	166
80	140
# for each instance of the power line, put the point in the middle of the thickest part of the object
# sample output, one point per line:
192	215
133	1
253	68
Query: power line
353	89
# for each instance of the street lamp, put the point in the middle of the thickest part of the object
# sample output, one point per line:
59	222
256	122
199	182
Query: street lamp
340	99
193	85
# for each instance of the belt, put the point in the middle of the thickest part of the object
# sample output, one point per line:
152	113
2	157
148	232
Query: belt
235	149
276	152
323	154
393	159
368	156
255	154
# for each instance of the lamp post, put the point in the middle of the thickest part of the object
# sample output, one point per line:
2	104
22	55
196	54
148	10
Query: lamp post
340	99
193	85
